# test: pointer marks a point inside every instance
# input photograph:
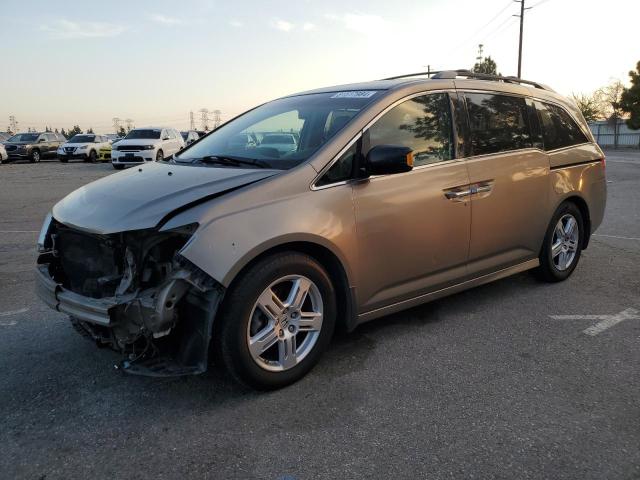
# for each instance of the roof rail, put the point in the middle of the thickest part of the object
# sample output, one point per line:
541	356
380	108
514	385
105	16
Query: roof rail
451	74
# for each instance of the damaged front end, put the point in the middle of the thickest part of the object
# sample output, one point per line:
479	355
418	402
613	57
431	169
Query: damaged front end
132	292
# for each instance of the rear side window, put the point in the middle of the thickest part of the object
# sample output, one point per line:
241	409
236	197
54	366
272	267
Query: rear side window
422	124
498	123
558	128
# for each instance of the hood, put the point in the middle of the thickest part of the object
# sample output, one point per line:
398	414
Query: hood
141	197
139	141
76	145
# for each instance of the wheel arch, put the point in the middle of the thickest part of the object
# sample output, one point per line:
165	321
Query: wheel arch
582	205
345	297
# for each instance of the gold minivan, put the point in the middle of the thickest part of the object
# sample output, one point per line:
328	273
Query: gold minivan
322	209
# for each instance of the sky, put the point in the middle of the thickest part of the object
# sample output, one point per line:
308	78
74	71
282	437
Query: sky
78	62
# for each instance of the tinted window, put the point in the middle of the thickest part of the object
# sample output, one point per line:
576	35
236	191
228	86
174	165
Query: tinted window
558	128
143	134
341	170
498	123
422	124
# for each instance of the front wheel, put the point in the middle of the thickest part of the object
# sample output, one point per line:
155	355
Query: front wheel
35	156
159	156
117	166
562	244
93	156
276	320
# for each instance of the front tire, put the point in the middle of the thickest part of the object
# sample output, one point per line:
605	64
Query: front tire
35	156
93	156
117	166
562	244
277	319
159	156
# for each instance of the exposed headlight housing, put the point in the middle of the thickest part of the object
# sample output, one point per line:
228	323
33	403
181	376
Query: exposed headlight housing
44	243
82	147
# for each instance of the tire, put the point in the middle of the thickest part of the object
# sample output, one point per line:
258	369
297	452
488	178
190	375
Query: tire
243	320
117	167
554	267
35	156
159	156
64	160
93	156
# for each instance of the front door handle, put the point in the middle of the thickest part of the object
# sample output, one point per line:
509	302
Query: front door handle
457	194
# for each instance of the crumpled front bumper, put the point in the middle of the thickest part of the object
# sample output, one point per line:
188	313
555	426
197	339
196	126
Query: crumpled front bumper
93	310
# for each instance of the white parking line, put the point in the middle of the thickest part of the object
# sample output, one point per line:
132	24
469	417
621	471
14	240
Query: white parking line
13	312
615	236
606	321
19	231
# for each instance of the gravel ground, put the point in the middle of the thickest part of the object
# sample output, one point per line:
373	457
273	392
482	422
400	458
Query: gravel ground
483	384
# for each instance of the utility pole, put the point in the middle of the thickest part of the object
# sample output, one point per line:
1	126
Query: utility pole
216	118
204	119
479	57
13	124
116	124
522	9
192	123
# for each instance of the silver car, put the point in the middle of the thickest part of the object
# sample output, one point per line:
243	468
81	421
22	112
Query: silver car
398	192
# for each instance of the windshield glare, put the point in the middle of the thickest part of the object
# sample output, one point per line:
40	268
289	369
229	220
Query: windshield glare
282	133
143	134
24	137
82	139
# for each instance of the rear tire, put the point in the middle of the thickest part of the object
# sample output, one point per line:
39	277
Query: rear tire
292	337
562	244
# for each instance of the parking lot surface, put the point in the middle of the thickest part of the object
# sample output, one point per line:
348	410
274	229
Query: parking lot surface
515	379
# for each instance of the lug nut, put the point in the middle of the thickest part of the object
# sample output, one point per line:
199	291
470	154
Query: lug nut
281	333
291	328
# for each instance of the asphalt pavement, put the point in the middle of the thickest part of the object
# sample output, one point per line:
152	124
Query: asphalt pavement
515	379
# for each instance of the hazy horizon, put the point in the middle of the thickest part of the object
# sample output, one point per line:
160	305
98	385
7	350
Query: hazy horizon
152	62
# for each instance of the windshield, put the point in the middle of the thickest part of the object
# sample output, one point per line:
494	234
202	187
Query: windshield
184	135
24	137
82	139
282	133
144	134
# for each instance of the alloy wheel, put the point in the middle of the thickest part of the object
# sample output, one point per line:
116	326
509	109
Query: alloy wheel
285	323
564	242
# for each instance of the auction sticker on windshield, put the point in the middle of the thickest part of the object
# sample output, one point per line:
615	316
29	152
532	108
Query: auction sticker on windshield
355	94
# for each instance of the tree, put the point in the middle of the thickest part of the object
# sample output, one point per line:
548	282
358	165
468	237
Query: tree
90	130
630	99
64	133
122	132
487	65
588	105
608	99
74	131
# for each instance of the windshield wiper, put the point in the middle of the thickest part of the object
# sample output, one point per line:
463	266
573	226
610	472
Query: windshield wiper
232	161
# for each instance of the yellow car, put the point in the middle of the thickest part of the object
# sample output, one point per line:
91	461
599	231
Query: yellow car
104	153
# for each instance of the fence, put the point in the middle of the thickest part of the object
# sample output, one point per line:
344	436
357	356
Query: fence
605	135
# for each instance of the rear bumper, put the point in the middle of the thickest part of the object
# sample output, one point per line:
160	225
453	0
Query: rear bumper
92	310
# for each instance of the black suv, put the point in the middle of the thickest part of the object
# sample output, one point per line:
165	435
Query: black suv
33	146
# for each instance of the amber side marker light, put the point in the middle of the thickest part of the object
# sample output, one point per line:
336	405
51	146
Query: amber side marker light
410	159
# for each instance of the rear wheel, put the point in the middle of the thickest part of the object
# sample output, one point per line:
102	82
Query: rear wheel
276	320
562	244
35	156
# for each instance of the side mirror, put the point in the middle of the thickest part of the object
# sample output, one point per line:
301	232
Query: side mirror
389	159
42	140
165	138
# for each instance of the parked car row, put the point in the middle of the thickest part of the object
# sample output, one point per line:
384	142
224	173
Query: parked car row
138	146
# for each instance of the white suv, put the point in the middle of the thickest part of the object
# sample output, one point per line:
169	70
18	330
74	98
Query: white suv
144	145
82	146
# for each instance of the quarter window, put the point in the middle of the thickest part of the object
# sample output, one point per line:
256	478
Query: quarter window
422	124
498	123
558	128
342	169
